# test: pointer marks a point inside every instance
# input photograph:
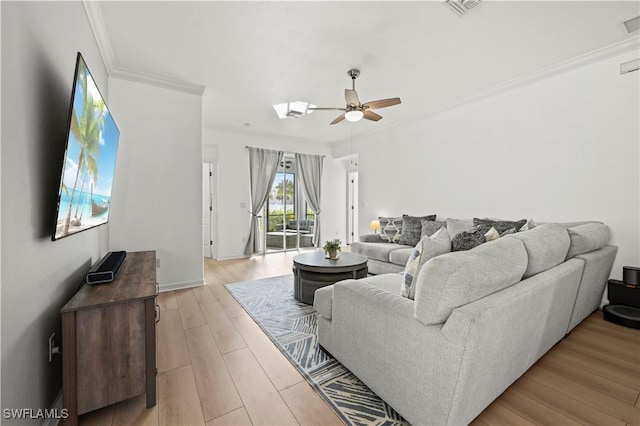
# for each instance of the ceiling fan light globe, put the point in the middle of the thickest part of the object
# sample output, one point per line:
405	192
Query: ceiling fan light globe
354	115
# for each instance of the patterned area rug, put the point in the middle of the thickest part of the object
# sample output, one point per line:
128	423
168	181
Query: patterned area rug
291	325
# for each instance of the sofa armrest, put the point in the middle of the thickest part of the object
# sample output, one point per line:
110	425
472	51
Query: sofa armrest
370	238
411	366
390	303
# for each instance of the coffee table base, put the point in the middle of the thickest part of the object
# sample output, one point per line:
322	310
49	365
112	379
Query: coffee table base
305	283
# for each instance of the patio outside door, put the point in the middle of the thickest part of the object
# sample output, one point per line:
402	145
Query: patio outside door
286	226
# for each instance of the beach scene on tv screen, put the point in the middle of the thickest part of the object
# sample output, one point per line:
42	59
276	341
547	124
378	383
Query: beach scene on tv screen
85	191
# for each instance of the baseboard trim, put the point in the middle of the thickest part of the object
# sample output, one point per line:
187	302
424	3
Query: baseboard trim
242	256
180	285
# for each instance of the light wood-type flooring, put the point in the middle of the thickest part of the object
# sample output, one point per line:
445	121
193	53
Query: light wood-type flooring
216	367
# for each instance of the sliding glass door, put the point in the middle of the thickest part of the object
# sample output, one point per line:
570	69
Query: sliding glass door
287	226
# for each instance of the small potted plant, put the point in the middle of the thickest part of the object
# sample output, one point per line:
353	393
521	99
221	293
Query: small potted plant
332	247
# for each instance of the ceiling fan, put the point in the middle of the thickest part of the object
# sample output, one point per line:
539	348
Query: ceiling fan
354	110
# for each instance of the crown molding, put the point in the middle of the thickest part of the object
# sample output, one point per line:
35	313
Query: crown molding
94	14
272	135
631	44
96	22
598	55
157	80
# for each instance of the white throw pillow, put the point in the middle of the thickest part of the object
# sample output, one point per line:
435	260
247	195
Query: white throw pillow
455	226
492	234
428	247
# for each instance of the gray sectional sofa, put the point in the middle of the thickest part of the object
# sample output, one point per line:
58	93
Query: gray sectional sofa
479	320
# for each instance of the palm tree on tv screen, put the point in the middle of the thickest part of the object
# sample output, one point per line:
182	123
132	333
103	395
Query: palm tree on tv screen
87	130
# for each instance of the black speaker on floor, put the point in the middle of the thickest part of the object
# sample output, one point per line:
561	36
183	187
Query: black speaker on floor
624	299
106	269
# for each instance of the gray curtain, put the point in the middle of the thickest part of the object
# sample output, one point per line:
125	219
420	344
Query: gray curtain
310	177
263	164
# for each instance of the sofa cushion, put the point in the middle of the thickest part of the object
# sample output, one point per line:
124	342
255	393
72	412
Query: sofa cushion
455	226
390	229
386	282
466	240
586	238
377	251
370	238
412	229
428	247
578	223
546	246
430	227
454	279
401	255
323	298
500	225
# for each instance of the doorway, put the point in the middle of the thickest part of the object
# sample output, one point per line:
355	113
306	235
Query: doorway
209	210
352	207
288	222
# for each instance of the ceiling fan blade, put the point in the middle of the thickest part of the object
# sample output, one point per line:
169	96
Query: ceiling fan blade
338	119
382	103
325	109
370	115
351	96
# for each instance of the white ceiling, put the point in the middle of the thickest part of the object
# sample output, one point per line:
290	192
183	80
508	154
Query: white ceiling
251	55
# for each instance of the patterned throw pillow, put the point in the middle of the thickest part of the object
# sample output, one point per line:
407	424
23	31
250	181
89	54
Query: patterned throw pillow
509	231
500	225
466	240
428	247
411	270
412	229
390	229
527	226
430	227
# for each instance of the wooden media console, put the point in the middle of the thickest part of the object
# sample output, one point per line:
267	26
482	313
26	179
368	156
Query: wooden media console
109	339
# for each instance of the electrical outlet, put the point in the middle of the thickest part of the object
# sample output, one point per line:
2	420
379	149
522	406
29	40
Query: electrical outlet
51	345
157	262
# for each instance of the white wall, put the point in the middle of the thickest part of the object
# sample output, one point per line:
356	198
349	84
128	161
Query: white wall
562	149
39	46
157	194
233	187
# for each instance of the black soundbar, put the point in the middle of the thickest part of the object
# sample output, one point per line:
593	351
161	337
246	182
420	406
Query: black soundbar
106	269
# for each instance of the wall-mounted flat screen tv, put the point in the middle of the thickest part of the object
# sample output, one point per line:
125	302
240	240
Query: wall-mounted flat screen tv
84	197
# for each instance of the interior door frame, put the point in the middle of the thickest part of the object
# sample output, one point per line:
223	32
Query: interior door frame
352	207
210	209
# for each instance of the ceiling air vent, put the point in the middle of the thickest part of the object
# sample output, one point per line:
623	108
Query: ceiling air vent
630	66
632	25
460	7
470	4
